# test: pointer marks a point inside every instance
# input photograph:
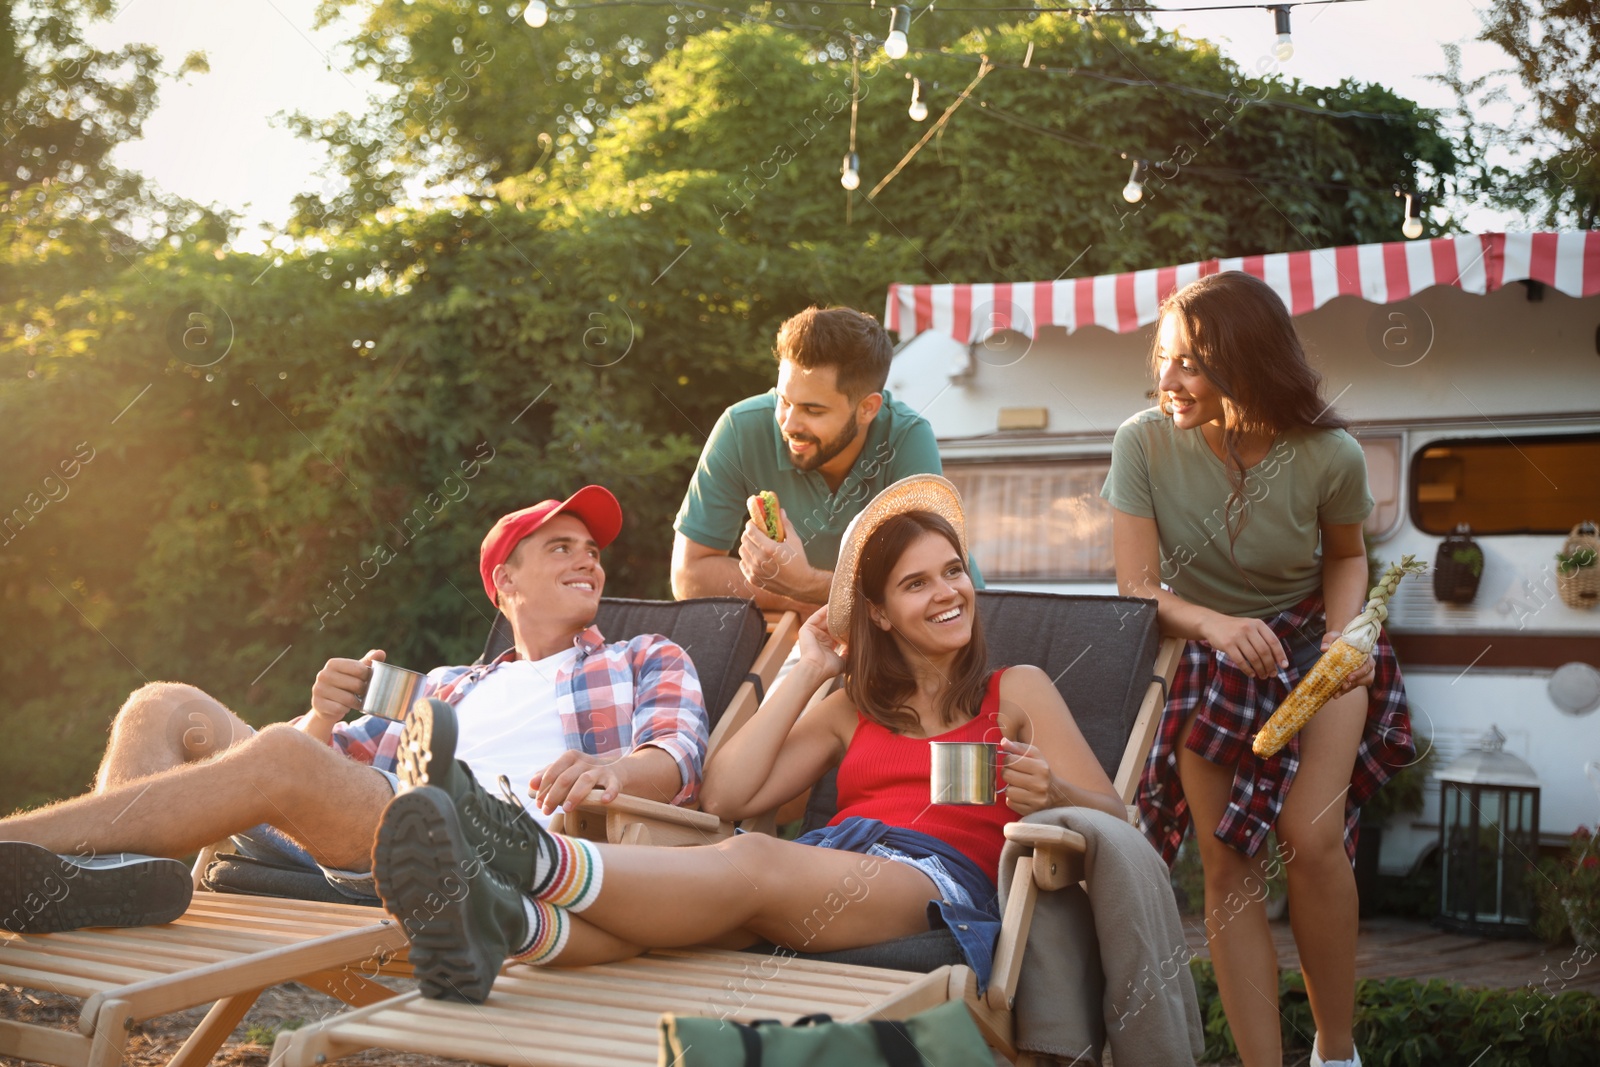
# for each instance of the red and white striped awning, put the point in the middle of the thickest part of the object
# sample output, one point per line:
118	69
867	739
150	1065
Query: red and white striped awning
1382	273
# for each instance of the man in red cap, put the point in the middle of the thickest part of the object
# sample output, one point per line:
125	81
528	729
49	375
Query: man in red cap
562	712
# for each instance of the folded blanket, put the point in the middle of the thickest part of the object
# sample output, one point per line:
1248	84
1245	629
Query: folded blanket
1111	962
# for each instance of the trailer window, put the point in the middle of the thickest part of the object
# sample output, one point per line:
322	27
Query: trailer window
1383	480
1037	520
1506	485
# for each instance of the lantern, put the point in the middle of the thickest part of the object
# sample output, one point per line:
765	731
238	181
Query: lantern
1488	840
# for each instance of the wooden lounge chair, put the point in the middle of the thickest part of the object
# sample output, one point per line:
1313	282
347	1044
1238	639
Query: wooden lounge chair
228	947
1107	657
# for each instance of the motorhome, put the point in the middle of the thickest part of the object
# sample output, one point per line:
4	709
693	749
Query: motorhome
1470	369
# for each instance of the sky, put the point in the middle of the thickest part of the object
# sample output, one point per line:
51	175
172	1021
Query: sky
218	138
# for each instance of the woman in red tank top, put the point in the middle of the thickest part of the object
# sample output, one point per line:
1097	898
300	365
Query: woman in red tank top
902	628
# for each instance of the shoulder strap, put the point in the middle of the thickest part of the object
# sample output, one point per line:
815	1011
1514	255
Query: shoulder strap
894	1041
991	695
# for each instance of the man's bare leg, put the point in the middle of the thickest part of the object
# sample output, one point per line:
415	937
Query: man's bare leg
324	801
165	725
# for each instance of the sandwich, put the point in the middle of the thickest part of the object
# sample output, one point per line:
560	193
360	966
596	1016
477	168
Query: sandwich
764	513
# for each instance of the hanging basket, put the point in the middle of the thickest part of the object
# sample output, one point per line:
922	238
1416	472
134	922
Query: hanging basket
1457	568
1578	567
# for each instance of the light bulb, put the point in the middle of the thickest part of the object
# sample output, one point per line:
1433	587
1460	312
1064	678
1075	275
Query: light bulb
1133	192
849	176
536	14
1284	48
918	110
1412	227
894	46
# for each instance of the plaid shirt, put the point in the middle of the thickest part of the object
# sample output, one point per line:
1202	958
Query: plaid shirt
1233	706
613	698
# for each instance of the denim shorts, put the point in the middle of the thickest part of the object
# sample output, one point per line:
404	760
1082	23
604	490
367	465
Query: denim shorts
268	844
950	890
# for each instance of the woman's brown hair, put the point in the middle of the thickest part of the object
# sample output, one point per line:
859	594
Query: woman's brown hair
1242	340
877	676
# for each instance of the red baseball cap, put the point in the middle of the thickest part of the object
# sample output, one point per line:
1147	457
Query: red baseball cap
594	504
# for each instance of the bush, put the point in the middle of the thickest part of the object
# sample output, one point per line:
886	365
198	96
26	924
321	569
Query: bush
1568	896
1404	1023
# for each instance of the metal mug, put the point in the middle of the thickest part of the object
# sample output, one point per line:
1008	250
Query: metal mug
965	772
390	691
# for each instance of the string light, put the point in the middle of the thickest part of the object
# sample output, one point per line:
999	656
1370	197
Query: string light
536	14
1412	226
850	173
895	45
918	110
1283	49
1133	192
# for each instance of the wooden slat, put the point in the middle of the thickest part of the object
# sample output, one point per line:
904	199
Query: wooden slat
202	984
1143	734
26	1041
55	983
1015	922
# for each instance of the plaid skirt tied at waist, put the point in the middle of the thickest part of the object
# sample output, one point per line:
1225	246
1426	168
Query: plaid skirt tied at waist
1232	707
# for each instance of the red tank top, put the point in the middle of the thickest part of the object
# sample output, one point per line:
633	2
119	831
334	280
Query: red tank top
884	776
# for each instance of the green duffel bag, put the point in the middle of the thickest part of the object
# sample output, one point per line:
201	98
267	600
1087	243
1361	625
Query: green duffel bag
940	1037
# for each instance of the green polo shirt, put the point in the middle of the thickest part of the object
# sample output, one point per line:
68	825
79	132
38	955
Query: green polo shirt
746	454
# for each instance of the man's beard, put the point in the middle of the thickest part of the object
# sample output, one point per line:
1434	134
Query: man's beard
822	453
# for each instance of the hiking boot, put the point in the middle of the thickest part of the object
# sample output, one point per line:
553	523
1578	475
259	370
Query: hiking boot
461	917
499	832
43	893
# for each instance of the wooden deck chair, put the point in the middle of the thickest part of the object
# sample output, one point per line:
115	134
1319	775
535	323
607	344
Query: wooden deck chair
1104	651
228	947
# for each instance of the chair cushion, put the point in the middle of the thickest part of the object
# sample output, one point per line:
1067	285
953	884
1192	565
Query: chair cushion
924	952
1100	650
230	873
722	635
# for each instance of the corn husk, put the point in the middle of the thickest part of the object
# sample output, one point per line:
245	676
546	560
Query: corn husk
1342	658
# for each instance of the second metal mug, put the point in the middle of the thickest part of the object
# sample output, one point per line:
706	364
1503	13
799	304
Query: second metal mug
390	691
964	772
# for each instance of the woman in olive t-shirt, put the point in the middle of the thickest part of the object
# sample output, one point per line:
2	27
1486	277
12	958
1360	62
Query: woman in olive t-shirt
1237	505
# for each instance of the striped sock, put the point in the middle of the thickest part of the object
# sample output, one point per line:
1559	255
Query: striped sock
547	932
574	881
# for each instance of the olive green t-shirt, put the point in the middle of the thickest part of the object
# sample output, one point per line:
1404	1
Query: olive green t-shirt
746	454
1308	478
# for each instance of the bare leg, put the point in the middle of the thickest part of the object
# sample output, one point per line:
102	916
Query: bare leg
1323	909
328	803
1236	920
798	896
165	725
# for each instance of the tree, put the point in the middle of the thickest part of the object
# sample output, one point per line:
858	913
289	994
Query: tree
277	459
1554	47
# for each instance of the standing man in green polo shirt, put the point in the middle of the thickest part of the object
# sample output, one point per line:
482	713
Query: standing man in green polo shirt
826	440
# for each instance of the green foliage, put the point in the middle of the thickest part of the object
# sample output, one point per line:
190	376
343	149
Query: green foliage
1579	558
1402	794
1568	893
1554	49
1470	557
1406	1023
278	459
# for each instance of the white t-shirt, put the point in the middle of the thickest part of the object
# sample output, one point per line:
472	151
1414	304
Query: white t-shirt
510	725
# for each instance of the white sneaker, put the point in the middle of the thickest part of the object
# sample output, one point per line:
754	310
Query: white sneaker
1318	1061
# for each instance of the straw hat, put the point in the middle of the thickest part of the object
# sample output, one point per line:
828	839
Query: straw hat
920	492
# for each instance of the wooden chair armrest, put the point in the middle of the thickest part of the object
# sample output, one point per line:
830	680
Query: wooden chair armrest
637	820
1056	863
1057	852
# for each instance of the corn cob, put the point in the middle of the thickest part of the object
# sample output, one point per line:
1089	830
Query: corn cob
1347	653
